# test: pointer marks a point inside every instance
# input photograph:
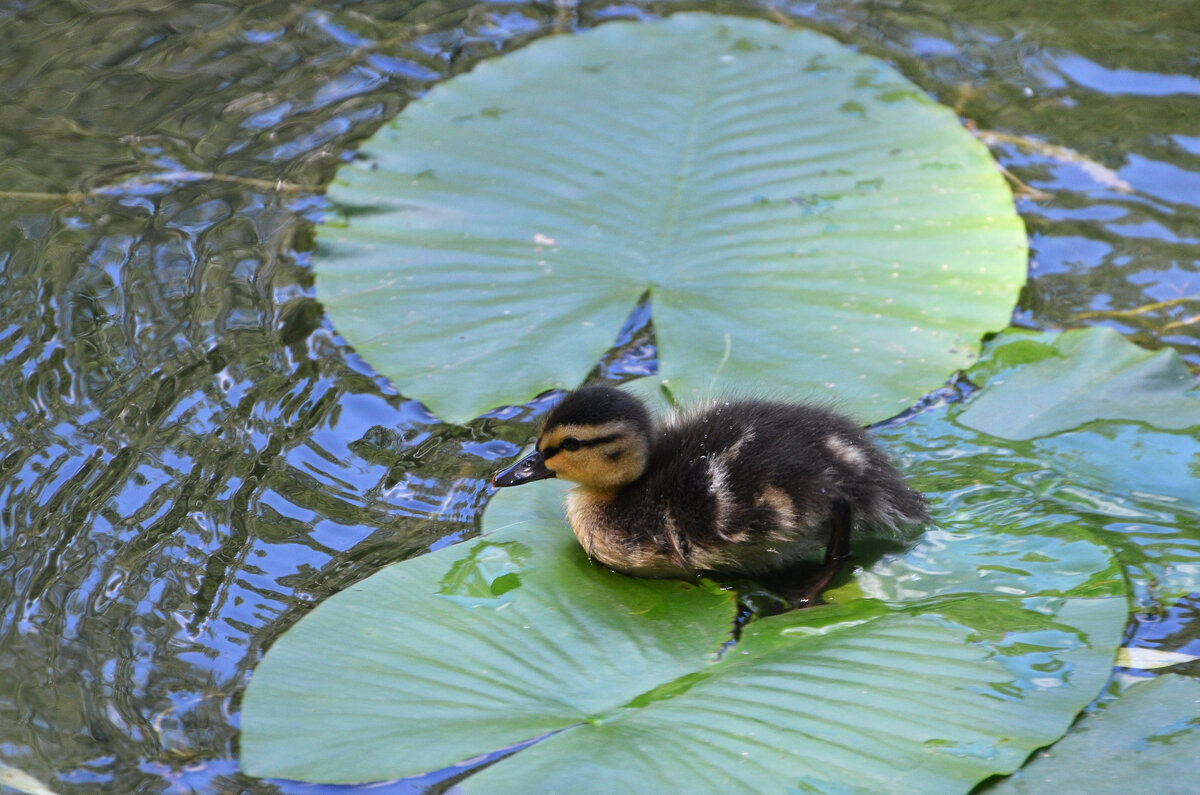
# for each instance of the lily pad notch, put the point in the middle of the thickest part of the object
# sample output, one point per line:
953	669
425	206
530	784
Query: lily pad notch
769	186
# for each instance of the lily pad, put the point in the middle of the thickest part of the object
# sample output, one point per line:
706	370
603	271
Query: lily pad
930	685
1138	489
933	668
787	712
467	650
1116	445
805	219
1042	383
1024	504
1151	734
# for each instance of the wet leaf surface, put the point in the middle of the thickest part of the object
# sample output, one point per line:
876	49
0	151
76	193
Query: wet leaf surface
804	218
1152	733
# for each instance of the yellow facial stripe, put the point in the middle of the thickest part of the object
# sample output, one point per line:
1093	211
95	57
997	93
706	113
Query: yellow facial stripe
551	441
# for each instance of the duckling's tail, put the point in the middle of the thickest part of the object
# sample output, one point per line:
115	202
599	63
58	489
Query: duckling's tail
895	507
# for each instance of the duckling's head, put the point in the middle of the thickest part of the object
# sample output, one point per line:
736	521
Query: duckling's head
598	437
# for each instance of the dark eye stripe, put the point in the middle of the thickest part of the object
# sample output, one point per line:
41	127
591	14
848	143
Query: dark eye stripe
550	452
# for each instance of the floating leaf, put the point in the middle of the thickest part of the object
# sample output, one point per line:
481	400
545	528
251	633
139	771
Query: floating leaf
1009	585
805	219
1025	503
927	684
1102	409
1151	734
879	701
470	649
1042	383
1139	490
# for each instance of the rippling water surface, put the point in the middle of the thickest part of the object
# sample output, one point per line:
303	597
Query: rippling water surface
190	458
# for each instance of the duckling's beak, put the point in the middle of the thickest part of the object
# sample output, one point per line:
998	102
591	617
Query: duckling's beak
530	468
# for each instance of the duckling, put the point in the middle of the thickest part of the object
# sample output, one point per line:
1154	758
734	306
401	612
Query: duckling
731	488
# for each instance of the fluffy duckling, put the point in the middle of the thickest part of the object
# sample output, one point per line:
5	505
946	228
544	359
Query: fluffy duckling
744	487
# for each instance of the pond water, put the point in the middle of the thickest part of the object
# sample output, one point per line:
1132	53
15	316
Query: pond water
191	459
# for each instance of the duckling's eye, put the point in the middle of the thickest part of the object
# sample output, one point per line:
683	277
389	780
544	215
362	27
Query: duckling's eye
571	444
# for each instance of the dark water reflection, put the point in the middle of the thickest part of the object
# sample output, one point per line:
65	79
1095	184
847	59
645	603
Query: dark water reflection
190	459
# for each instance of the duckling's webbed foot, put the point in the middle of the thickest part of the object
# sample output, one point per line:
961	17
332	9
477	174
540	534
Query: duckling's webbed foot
837	551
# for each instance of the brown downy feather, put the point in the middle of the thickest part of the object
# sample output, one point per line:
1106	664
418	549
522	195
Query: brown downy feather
738	487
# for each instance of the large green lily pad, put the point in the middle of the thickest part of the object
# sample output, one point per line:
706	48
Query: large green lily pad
467	650
930	670
515	635
804	217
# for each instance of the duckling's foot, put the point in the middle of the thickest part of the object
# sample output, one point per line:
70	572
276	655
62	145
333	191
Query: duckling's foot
835	554
810	594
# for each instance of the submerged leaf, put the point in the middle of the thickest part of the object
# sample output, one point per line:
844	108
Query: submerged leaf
1138	488
1151	734
1112	437
805	219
